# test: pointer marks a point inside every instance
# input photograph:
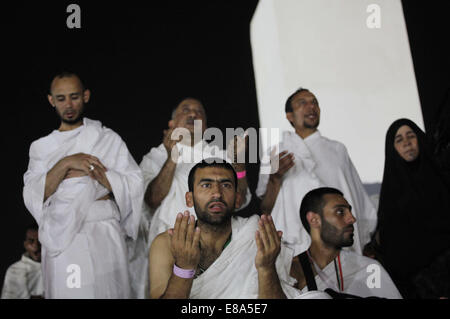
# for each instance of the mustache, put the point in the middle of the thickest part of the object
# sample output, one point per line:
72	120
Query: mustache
216	201
349	228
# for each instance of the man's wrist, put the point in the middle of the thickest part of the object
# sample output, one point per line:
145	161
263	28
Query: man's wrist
183	272
170	162
268	270
274	179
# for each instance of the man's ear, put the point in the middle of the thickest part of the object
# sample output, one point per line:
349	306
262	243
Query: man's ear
313	219
171	124
50	100
189	199
290	116
86	95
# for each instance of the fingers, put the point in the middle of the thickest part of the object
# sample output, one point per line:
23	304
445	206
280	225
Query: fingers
271	232
176	227
190	231
268	236
183	227
286	163
95	161
259	244
196	241
262	234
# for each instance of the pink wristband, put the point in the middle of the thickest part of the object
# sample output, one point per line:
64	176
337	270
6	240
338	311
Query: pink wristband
241	174
183	273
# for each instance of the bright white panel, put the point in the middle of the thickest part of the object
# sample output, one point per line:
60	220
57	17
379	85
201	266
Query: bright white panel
363	78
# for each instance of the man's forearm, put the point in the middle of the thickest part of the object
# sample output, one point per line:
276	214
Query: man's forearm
272	190
269	286
178	288
54	178
159	187
242	182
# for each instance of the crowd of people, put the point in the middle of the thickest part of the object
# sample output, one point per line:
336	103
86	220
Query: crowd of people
168	228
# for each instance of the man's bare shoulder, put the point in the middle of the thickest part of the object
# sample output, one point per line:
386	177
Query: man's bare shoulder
161	242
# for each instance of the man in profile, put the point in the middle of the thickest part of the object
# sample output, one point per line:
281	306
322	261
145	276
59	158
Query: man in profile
327	217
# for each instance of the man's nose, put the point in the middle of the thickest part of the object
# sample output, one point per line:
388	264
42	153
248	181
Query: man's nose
216	191
69	102
350	219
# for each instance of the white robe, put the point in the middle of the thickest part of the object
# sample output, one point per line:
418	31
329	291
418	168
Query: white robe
319	162
164	216
74	227
23	279
233	274
357	271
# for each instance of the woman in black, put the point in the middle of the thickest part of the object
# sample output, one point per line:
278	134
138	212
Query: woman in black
414	209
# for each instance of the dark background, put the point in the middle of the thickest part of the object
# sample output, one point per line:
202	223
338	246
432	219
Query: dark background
139	59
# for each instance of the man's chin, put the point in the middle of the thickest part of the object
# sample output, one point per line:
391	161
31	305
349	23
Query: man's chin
72	121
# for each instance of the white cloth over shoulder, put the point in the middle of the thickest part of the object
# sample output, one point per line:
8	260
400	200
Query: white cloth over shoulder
23	280
77	231
363	277
164	216
319	162
233	274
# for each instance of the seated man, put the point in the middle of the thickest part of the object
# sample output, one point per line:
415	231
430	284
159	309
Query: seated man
23	279
166	167
327	217
214	257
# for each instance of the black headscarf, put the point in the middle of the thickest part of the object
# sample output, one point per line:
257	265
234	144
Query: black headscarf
414	210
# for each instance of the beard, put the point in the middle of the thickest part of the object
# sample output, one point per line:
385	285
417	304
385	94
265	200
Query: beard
74	120
332	237
311	126
213	219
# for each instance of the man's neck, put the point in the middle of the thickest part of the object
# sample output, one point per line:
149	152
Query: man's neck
212	237
68	127
322	254
304	133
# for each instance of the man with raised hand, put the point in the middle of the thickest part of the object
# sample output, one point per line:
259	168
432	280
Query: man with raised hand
308	160
166	167
218	255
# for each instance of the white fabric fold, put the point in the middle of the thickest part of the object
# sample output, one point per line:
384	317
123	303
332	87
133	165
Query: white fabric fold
69	215
23	279
363	277
233	274
319	162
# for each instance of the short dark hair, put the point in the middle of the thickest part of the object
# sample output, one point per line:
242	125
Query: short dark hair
210	162
65	74
288	105
174	109
31	226
313	202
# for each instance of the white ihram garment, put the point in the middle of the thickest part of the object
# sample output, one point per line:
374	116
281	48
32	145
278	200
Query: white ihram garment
83	239
319	162
233	274
363	277
23	280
